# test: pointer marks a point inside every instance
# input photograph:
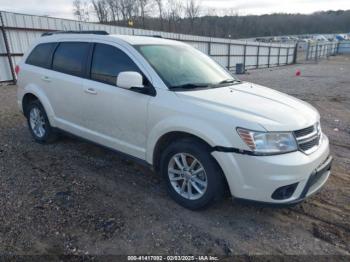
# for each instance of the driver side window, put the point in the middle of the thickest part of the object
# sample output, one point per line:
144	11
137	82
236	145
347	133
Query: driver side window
108	61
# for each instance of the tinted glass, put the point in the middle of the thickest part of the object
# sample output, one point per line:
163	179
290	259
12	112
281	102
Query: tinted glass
41	55
108	62
71	57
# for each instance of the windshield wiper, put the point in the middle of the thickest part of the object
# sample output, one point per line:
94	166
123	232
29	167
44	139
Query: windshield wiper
205	85
229	81
189	86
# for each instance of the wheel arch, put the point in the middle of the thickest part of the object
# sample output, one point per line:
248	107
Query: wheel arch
26	100
182	126
167	138
34	93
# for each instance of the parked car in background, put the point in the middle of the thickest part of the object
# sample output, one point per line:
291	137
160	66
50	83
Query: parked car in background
171	107
340	37
320	38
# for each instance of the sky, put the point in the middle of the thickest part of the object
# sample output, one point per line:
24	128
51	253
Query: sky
63	8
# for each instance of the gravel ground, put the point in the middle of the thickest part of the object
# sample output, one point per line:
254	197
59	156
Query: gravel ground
72	197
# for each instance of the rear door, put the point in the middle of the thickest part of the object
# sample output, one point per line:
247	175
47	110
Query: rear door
37	67
66	83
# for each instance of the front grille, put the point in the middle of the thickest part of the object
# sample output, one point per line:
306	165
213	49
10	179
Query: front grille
308	139
310	144
304	132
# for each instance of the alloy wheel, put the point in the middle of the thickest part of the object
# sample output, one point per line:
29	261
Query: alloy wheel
187	176
37	122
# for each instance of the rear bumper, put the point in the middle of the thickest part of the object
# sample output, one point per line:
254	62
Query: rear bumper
256	178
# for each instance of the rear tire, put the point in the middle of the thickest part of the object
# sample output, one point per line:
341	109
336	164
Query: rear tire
193	177
39	124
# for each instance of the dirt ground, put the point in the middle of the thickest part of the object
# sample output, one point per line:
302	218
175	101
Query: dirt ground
72	197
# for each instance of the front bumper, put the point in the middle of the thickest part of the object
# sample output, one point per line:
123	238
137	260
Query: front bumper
315	182
255	178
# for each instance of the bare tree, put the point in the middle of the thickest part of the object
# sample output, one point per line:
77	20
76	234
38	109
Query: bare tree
77	9
174	12
123	9
230	12
211	12
101	10
192	10
128	9
114	9
143	5
160	6
189	18
132	9
81	10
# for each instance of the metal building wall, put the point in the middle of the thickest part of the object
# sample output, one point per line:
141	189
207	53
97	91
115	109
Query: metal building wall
21	30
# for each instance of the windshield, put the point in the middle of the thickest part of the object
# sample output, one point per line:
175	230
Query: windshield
185	67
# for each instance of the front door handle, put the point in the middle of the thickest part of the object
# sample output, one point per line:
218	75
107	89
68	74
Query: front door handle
91	91
46	78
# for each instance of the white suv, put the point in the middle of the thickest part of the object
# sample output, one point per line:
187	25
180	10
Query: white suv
168	105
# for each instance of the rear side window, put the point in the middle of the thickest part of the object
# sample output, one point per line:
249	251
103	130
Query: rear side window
41	55
108	62
71	58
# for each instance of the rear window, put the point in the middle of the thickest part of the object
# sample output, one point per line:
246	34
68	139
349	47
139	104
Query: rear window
41	55
71	58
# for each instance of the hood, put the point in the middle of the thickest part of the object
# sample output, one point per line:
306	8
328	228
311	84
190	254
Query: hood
273	110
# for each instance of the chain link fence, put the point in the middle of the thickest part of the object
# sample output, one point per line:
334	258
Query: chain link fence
314	51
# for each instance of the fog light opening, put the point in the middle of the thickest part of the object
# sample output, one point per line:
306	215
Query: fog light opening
284	192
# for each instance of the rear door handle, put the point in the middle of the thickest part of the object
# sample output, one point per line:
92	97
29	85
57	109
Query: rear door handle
46	78
91	91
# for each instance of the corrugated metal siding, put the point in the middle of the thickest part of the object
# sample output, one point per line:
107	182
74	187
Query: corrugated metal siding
218	49
5	71
263	51
22	30
2	44
237	50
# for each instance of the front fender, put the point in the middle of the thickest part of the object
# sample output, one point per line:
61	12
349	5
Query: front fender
192	126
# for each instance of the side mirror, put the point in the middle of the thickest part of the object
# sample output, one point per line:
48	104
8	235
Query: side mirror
130	80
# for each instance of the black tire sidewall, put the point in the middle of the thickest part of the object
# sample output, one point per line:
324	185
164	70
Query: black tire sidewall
215	188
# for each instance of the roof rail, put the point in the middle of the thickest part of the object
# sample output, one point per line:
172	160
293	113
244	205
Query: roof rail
156	36
76	32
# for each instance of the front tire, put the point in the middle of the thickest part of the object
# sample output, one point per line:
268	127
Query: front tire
39	124
193	177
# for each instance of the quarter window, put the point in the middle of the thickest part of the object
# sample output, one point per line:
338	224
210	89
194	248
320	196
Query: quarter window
71	57
41	55
108	62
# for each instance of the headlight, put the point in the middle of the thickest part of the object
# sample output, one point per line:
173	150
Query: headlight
268	142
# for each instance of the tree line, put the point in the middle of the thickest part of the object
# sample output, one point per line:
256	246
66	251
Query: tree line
190	17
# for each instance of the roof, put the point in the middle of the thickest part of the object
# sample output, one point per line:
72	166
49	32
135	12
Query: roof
130	39
146	40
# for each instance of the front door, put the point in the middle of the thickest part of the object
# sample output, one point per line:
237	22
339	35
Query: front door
116	117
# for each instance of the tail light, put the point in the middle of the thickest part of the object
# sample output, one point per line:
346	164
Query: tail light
17	69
